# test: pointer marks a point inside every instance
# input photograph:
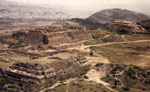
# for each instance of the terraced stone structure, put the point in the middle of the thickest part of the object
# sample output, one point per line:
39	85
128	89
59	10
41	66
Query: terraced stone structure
49	36
36	59
25	77
126	27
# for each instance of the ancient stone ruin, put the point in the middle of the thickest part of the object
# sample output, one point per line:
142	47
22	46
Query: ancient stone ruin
126	27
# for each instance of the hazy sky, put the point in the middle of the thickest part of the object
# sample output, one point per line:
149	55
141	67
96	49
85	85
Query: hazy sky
138	5
84	2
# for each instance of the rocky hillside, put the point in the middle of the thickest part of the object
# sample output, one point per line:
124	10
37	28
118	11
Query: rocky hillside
109	15
125	27
87	23
146	24
13	10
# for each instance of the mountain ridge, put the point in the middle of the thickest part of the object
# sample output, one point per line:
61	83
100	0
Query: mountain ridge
14	10
110	15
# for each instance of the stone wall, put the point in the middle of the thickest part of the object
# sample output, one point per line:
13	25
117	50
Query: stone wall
25	77
126	27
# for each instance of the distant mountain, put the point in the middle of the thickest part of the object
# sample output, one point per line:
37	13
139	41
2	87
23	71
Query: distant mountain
13	10
109	15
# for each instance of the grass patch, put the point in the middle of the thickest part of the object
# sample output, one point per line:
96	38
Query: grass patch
80	87
130	54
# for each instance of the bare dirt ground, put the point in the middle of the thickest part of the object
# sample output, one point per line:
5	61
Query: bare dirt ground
94	60
60	83
111	43
123	37
8	29
96	75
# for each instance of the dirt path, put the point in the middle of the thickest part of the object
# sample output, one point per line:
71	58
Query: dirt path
67	88
113	43
59	83
95	76
145	56
106	36
94	60
85	48
123	37
72	43
52	87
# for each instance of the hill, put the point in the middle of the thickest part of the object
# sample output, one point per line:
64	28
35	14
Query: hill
109	15
87	23
14	10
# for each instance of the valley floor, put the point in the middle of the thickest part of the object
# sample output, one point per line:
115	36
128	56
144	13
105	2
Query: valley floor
81	60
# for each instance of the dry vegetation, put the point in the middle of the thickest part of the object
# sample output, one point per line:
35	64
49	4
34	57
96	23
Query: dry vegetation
64	52
80	87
